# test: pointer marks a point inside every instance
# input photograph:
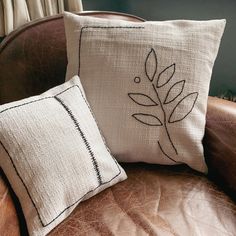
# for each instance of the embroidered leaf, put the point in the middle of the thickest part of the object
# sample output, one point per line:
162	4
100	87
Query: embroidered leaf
151	65
183	108
142	99
165	76
147	119
174	91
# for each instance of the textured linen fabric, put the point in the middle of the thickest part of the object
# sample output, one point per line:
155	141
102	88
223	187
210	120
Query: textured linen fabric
53	154
147	84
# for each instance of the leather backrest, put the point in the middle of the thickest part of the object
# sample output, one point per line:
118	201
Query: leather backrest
33	58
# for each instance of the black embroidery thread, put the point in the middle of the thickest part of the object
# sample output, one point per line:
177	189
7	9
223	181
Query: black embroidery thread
164	114
166	153
26	188
171	89
194	101
141	117
163	78
9	108
104	142
149	56
77	125
163	73
138	97
99	27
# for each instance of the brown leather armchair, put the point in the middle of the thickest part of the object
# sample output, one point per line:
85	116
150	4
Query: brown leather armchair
155	200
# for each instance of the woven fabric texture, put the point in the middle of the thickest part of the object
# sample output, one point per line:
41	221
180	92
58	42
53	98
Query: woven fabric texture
147	84
53	154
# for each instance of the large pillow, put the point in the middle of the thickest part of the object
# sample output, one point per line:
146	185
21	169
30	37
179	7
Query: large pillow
147	84
53	155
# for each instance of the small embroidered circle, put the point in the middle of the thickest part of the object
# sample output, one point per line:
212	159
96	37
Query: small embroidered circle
137	80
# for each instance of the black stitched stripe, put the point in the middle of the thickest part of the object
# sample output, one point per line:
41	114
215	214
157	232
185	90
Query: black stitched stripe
103	139
14	166
95	164
20	105
44	98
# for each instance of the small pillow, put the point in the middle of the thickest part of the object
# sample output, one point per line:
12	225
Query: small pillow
147	84
53	155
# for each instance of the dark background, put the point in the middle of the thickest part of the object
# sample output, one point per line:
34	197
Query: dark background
224	73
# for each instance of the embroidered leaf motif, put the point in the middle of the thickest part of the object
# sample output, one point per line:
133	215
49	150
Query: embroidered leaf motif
142	99
165	76
174	91
147	119
183	108
151	65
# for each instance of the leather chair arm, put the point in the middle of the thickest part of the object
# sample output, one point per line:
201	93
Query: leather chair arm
9	224
220	143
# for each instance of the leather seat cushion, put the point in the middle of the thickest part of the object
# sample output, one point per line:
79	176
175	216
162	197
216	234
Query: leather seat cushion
155	200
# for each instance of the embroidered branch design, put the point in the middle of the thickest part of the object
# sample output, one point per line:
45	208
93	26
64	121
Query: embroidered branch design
157	82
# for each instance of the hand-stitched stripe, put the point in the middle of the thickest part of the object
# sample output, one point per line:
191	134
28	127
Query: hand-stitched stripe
82	134
20	105
108	150
25	186
23	104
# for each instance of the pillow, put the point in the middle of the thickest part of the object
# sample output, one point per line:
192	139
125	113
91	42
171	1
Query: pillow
147	84
53	155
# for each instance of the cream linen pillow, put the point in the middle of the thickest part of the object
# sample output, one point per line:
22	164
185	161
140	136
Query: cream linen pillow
147	84
53	155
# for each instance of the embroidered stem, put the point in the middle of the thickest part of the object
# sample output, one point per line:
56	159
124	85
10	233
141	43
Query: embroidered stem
165	153
164	122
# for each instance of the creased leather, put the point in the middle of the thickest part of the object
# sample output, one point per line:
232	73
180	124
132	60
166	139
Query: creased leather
220	143
9	225
155	200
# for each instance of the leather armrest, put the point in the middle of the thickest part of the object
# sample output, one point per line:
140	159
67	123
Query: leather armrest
220	143
9	224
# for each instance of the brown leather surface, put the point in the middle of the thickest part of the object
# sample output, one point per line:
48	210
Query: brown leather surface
220	143
155	200
9	224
